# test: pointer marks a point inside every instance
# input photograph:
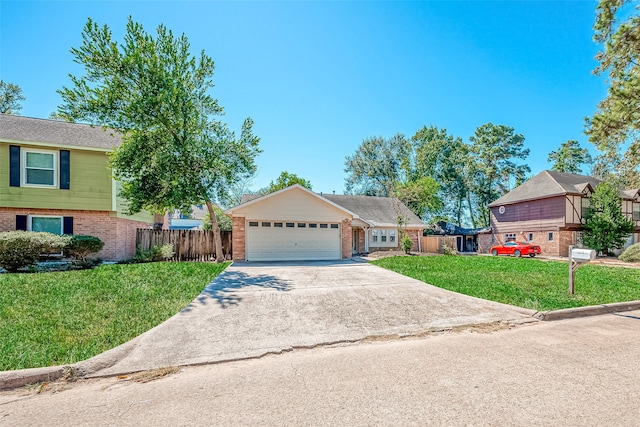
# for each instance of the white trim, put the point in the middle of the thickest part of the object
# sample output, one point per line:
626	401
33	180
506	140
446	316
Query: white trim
30	221
114	195
23	167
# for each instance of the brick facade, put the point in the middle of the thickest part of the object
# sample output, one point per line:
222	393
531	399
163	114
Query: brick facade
347	236
118	234
238	235
559	246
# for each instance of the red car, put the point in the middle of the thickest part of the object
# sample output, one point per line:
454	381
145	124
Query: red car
516	249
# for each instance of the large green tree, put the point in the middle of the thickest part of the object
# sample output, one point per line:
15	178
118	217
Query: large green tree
569	157
605	226
421	196
11	98
284	180
493	169
378	165
175	152
615	126
444	158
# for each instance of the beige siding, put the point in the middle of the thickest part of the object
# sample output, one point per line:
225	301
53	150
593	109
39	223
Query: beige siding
293	205
573	213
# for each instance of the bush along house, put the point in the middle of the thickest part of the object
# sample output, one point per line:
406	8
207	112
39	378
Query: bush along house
548	210
54	177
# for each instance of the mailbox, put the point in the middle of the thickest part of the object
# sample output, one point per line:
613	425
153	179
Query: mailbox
583	255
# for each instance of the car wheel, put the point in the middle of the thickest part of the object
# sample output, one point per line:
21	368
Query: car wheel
532	255
494	252
516	253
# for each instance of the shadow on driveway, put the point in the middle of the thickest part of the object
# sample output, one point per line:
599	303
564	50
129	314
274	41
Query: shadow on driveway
223	288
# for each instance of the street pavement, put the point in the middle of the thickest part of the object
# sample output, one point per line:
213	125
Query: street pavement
253	309
575	372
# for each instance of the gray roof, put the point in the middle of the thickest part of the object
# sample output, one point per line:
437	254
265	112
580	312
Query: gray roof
27	129
630	194
547	184
380	211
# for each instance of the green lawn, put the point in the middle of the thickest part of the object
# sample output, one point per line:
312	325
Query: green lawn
525	282
49	319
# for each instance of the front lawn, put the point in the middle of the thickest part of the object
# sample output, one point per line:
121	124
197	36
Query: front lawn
525	282
49	319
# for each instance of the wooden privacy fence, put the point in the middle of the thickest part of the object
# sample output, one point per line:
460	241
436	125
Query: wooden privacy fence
188	245
436	244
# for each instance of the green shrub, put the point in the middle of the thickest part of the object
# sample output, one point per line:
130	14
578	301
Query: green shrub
406	243
81	246
631	254
155	253
20	249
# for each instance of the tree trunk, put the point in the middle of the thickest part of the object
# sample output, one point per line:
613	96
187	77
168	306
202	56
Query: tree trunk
473	219
217	238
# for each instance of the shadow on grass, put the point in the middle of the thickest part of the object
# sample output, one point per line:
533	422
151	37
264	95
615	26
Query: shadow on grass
224	288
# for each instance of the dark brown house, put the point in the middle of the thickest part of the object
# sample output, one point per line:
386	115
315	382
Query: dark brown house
548	210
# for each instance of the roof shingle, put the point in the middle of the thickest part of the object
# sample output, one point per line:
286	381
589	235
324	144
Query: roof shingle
27	129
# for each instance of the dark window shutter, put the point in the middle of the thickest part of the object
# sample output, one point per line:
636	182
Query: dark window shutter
21	222
65	169
67	225
14	166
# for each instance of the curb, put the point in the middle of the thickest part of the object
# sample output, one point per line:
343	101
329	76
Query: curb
22	377
594	310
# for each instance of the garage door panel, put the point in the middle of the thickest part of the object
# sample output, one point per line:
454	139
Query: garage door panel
269	243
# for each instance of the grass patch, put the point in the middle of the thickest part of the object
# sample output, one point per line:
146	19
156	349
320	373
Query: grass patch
49	319
524	282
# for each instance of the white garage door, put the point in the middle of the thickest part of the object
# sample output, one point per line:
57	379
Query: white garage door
282	240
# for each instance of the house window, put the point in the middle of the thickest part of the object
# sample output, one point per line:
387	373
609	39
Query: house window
636	211
530	237
383	235
374	235
510	237
550	237
266	224
40	168
290	225
323	225
50	224
392	236
253	223
301	225
313	225
277	224
334	225
586	207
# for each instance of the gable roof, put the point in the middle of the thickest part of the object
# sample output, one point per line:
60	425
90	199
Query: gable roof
632	194
18	129
548	184
256	198
378	211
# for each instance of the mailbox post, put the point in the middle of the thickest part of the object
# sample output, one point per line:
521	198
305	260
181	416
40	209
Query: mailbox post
577	258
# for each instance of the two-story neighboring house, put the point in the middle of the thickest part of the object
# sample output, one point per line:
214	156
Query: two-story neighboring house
54	177
548	210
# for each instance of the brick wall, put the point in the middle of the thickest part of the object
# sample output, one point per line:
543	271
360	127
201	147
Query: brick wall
118	234
347	236
559	246
238	235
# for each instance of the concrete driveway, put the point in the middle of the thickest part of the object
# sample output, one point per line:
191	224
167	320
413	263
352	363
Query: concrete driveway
253	309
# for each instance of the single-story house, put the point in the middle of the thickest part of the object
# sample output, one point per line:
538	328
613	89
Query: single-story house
297	224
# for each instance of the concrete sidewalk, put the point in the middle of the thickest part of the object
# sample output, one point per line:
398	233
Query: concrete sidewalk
254	309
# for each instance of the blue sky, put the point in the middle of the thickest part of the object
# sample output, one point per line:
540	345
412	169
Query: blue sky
319	77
